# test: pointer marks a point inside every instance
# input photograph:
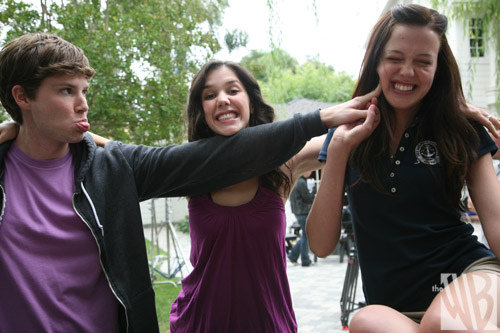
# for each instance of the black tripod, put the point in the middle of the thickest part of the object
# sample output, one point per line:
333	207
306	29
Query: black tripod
348	302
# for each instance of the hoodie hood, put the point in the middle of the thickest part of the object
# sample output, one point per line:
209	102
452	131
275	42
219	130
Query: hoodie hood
83	153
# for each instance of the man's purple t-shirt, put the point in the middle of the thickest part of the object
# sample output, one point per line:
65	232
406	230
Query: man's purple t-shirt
51	279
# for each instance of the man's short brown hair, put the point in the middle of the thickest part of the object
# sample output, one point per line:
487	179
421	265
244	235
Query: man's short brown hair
29	59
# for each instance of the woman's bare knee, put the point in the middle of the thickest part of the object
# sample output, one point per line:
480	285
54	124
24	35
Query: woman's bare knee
380	318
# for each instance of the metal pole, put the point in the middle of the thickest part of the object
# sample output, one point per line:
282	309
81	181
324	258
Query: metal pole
151	246
167	232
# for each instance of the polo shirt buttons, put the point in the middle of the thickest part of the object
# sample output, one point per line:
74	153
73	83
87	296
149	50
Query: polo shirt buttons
401	148
398	162
407	135
391	175
393	189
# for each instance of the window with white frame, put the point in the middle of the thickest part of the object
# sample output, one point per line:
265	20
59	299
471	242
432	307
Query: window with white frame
476	37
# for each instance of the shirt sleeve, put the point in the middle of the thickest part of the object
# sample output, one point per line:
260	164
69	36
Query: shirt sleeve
486	143
209	164
324	149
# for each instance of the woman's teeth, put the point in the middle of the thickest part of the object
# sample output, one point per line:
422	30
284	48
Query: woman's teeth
226	116
403	87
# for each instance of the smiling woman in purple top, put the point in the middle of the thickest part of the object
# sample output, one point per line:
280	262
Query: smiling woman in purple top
239	281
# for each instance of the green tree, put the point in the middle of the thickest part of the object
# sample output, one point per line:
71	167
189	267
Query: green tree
486	10
144	53
263	64
235	39
313	80
282	79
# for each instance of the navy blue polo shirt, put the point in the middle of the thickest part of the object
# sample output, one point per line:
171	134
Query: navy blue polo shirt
407	238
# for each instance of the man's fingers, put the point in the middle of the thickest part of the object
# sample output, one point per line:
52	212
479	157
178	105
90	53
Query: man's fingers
491	122
375	92
367	98
494	126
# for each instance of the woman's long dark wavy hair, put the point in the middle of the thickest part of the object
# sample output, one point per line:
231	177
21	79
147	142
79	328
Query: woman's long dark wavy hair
439	114
261	113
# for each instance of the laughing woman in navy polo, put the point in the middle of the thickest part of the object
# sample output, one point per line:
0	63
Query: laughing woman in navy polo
404	168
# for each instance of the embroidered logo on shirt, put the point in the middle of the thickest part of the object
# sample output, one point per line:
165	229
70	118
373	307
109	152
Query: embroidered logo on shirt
427	153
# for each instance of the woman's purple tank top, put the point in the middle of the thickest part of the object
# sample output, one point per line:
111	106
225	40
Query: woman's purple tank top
239	281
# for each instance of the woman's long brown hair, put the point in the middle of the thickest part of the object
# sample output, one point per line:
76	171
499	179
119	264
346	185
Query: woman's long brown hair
439	114
261	113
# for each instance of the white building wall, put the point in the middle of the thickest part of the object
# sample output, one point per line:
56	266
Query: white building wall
478	73
493	90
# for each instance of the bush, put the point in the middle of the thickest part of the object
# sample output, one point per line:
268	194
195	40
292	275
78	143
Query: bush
183	225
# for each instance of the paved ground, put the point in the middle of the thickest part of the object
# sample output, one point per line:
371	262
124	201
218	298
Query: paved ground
315	289
316	294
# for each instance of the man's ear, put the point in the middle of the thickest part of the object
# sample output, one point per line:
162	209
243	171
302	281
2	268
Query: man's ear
20	96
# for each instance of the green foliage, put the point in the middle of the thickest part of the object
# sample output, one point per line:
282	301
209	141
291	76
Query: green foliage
274	31
263	65
144	53
282	79
488	11
235	39
183	225
312	80
4	116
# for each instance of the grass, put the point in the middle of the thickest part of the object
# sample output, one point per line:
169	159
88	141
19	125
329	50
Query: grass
165	294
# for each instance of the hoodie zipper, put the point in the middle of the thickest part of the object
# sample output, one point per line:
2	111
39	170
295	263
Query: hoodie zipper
99	247
3	204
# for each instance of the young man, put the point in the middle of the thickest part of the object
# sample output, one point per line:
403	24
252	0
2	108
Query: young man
72	252
301	200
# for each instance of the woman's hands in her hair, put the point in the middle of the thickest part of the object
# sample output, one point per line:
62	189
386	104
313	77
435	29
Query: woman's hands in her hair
491	122
8	131
351	111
